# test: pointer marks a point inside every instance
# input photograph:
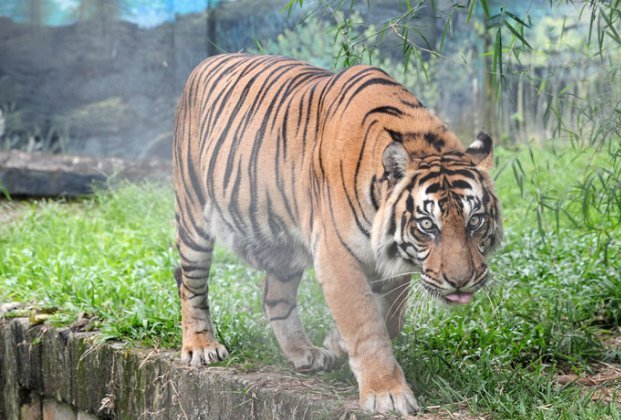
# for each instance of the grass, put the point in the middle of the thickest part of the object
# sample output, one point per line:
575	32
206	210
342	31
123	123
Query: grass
557	294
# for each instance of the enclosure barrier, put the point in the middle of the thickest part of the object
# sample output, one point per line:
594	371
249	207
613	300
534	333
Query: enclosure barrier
57	373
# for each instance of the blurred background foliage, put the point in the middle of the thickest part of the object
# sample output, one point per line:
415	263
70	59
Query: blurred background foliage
525	71
102	77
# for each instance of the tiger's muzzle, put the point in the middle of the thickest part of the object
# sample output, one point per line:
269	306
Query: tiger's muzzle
454	291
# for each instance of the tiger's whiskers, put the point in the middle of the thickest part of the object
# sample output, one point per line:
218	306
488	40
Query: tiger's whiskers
406	289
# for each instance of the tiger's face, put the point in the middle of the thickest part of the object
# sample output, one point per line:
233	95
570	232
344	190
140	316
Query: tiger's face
440	217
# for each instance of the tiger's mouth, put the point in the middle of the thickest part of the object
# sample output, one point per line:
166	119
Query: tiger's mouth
459	296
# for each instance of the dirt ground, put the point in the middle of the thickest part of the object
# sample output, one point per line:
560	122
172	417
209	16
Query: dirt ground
11	210
604	383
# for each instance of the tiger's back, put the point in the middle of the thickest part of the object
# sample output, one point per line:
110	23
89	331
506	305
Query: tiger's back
259	137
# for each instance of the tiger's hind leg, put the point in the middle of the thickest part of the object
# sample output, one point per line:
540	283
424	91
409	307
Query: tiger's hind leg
280	304
199	343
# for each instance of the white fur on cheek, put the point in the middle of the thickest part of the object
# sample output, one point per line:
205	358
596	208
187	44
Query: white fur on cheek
389	267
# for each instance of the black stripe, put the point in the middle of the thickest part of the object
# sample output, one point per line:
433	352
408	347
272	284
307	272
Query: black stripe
283	317
352	80
371	82
433	188
233	209
336	228
274	302
363	229
372	191
357	172
409	203
389	110
429	176
460	183
416	104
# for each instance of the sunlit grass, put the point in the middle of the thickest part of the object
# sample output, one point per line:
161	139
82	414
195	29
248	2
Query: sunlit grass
111	256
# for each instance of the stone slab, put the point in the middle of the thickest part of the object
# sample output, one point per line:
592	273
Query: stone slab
109	380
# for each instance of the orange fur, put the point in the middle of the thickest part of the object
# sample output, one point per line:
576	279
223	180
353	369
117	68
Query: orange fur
292	166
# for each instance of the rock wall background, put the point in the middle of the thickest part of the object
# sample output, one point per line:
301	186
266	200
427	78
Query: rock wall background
103	78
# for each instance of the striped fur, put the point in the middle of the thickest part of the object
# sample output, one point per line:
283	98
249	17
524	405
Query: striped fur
292	166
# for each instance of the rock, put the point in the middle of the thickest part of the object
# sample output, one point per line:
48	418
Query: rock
109	380
42	175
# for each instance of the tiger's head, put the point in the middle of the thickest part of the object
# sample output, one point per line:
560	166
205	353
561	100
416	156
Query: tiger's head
439	215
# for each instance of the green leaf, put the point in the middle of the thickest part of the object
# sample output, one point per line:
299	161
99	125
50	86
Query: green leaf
291	4
517	34
610	26
471	4
485	7
592	20
517	19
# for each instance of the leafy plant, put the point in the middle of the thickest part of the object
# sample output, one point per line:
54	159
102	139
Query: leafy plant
542	69
50	138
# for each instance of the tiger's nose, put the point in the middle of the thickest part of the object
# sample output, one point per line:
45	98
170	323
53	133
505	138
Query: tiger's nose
467	282
457	281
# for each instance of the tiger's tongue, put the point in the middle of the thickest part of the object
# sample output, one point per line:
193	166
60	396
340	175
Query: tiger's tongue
459	297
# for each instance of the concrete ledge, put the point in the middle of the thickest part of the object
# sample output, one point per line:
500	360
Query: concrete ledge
107	380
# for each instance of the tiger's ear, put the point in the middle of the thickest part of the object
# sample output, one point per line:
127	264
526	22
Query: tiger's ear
481	151
395	160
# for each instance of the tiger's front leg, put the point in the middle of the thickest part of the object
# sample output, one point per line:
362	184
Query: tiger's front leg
381	382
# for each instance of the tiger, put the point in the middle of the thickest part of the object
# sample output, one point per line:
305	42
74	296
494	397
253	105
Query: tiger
292	166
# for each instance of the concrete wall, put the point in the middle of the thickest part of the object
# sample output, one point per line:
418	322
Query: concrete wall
54	373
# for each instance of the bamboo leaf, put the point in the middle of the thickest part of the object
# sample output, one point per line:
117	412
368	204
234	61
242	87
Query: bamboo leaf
471	4
518	175
517	19
485	7
517	34
444	32
591	21
600	36
291	4
610	26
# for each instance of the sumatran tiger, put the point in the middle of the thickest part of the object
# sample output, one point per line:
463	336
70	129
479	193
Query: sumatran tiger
292	166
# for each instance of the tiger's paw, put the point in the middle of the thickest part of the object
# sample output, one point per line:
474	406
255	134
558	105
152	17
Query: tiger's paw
335	344
203	352
312	359
399	399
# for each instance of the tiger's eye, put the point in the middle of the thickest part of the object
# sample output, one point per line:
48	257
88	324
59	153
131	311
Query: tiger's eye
426	224
475	221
